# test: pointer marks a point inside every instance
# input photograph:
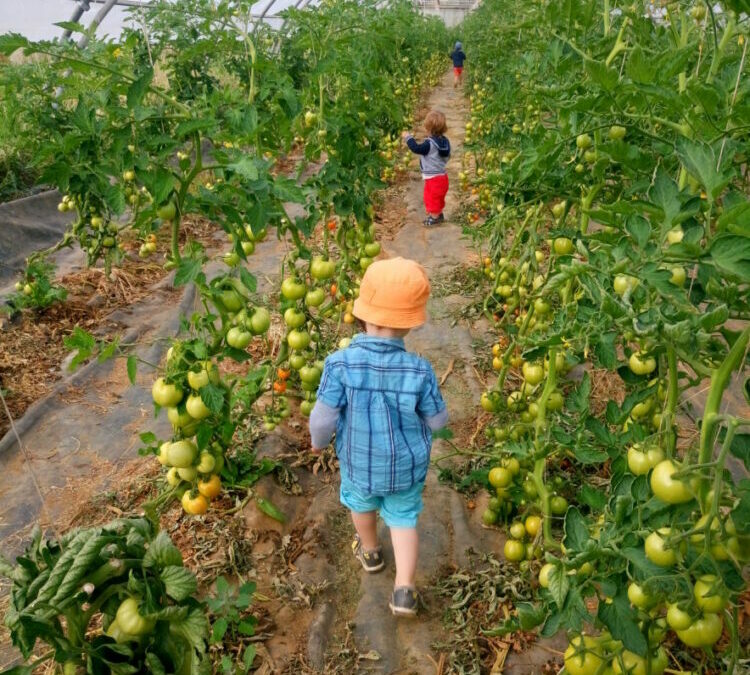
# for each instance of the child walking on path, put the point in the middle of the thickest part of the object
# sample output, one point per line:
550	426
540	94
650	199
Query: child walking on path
383	402
458	57
435	152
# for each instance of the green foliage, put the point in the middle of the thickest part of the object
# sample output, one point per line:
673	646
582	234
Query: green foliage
60	587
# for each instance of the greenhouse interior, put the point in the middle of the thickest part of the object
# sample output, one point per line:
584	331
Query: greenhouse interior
375	336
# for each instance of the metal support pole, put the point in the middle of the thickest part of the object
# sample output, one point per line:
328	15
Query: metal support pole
263	13
82	6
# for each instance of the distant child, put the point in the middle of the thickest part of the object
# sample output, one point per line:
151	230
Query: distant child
458	57
435	151
383	402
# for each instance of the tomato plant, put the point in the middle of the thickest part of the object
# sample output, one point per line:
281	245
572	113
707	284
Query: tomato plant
610	191
107	599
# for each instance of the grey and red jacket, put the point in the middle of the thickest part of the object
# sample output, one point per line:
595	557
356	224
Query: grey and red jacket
435	151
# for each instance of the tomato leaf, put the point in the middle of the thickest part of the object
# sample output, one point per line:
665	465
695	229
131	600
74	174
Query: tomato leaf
558	585
618	616
576	530
138	89
193	628
700	160
731	254
179	582
132	366
639	228
162	552
578	400
530	616
11	42
269	509
187	271
639	67
213	397
250	282
595	499
249	656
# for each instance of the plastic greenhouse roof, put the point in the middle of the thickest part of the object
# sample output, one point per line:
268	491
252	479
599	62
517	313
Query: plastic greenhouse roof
28	20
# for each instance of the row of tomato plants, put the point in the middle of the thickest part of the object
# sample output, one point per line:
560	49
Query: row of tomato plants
189	115
607	151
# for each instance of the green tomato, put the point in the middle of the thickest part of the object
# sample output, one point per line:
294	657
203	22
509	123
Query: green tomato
292	289
638	597
656	548
515	551
489	517
563	246
558	505
207	463
196	408
322	269
512	464
297	361
182	454
616	133
173	477
182	420
533	373
294	318
310	374
704	632
632	664
130	620
583	142
641	364
248	247
518	531
167	211
260	321
208	373
315	297
555	401
306	407
238	338
584	656
544	574
488	402
298	340
500	477
678	619
668	489
188	473
164	394
710	594
231	300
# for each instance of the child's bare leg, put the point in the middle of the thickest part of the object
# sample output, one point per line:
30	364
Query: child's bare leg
405	548
366	526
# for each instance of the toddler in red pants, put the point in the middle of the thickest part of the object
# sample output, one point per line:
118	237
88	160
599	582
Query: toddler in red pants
435	152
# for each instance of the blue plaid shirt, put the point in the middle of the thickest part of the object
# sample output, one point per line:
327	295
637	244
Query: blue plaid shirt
384	394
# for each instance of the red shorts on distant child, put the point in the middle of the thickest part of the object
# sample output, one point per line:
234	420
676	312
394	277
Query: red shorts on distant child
435	189
457	70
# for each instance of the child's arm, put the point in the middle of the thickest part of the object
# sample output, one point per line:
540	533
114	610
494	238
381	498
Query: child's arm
431	407
422	148
323	421
325	414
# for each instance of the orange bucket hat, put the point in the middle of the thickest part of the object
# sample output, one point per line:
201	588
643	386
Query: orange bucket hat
393	294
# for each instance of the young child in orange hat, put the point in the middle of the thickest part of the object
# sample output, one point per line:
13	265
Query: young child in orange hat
383	402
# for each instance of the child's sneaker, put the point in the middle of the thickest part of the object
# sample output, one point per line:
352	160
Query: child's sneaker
404	601
372	561
430	221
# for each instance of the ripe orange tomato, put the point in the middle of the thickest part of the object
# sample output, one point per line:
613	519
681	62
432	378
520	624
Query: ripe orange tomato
331	225
279	386
282	373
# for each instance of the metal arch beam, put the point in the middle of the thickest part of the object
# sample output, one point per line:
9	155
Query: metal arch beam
100	16
263	13
82	6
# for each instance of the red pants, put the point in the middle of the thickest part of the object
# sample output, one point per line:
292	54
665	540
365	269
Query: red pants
457	70
435	189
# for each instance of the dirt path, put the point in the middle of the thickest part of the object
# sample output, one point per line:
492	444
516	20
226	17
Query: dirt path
335	614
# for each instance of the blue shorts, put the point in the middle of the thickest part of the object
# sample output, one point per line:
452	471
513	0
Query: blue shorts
400	509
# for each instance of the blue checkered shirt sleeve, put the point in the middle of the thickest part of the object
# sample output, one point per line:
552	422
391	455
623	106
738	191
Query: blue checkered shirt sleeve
430	401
